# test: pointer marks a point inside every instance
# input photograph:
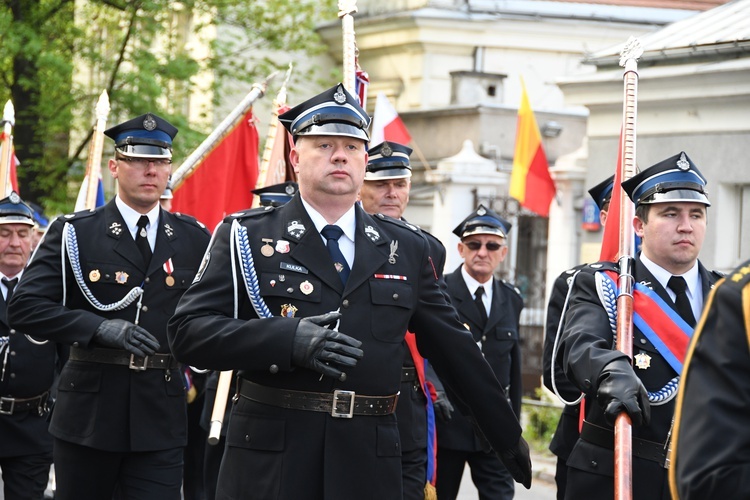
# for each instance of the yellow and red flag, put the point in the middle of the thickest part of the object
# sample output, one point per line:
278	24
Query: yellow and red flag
530	182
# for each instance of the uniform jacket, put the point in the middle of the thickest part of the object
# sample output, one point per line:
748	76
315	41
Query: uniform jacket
712	432
411	411
105	406
566	433
586	347
500	345
392	286
30	370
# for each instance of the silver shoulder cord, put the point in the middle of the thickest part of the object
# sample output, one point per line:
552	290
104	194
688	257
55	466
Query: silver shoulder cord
69	249
556	343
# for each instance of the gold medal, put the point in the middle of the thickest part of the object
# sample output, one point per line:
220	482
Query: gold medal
94	275
169	280
267	250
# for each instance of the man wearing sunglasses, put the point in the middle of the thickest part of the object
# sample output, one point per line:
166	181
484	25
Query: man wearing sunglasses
490	309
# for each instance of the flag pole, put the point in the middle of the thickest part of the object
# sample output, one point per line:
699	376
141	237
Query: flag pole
349	44
6	147
623	425
94	164
273	127
226	125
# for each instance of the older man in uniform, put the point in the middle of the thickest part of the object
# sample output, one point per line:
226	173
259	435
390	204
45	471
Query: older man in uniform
670	287
385	190
27	370
105	282
310	302
491	310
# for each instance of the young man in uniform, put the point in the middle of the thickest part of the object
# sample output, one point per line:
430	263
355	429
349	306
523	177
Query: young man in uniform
670	285
105	282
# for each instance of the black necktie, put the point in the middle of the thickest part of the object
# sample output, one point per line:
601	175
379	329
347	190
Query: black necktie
141	239
10	285
480	305
332	234
678	285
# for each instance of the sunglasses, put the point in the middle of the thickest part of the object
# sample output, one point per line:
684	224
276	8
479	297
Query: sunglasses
490	245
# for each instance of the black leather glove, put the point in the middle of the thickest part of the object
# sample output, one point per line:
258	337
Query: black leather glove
621	390
443	407
122	334
319	348
518	462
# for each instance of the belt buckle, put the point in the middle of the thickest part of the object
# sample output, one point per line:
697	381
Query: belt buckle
12	401
337	395
141	366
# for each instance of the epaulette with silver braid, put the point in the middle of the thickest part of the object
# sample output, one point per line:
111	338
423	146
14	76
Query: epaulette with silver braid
70	244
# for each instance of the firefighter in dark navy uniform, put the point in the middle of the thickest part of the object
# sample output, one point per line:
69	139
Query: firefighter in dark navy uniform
566	433
27	370
385	190
494	326
670	288
105	282
315	325
712	423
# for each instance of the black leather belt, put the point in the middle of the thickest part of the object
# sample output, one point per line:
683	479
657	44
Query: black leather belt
408	374
121	357
642	448
340	404
9	406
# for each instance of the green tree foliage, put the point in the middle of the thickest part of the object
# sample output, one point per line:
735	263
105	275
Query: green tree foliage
59	55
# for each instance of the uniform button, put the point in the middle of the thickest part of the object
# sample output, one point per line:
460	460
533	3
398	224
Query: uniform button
510	334
395	296
144	309
12	375
106	276
247	438
274	369
12	331
147	280
643	341
72	385
587	383
290	290
345	303
12	353
484	338
75	344
594	464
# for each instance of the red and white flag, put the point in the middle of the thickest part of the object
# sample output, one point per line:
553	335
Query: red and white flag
386	124
222	182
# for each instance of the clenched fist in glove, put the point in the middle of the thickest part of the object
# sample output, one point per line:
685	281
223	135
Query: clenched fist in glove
122	334
518	462
621	390
322	349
